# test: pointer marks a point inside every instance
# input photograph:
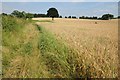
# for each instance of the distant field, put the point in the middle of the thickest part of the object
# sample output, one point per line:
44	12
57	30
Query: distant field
94	41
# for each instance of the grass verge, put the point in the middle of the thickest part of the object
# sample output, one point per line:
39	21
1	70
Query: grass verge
60	59
21	56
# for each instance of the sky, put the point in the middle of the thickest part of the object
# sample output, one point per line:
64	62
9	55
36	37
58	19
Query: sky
64	8
59	0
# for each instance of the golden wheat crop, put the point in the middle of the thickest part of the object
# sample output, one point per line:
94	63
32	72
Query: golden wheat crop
95	44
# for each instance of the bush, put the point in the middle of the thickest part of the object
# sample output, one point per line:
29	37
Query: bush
29	15
74	17
69	17
10	27
40	15
65	16
60	16
10	24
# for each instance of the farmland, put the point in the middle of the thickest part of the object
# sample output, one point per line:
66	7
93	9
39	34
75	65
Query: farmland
93	43
63	48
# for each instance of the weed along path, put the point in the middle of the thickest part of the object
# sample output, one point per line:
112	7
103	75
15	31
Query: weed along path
26	60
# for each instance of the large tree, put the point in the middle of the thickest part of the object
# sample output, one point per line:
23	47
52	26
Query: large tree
52	12
22	14
19	14
16	13
107	16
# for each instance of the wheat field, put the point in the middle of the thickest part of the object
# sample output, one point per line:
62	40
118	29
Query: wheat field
63	48
94	41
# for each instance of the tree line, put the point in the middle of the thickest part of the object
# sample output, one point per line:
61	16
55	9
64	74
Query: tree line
104	17
53	12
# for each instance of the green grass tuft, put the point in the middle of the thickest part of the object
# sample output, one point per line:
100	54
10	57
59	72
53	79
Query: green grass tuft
55	54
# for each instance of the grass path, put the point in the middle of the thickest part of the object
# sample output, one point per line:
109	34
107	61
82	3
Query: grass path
27	61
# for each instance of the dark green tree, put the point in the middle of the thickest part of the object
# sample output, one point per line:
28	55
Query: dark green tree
52	12
69	17
60	16
83	17
4	14
29	15
118	17
107	16
16	13
74	17
65	16
22	14
19	14
94	17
